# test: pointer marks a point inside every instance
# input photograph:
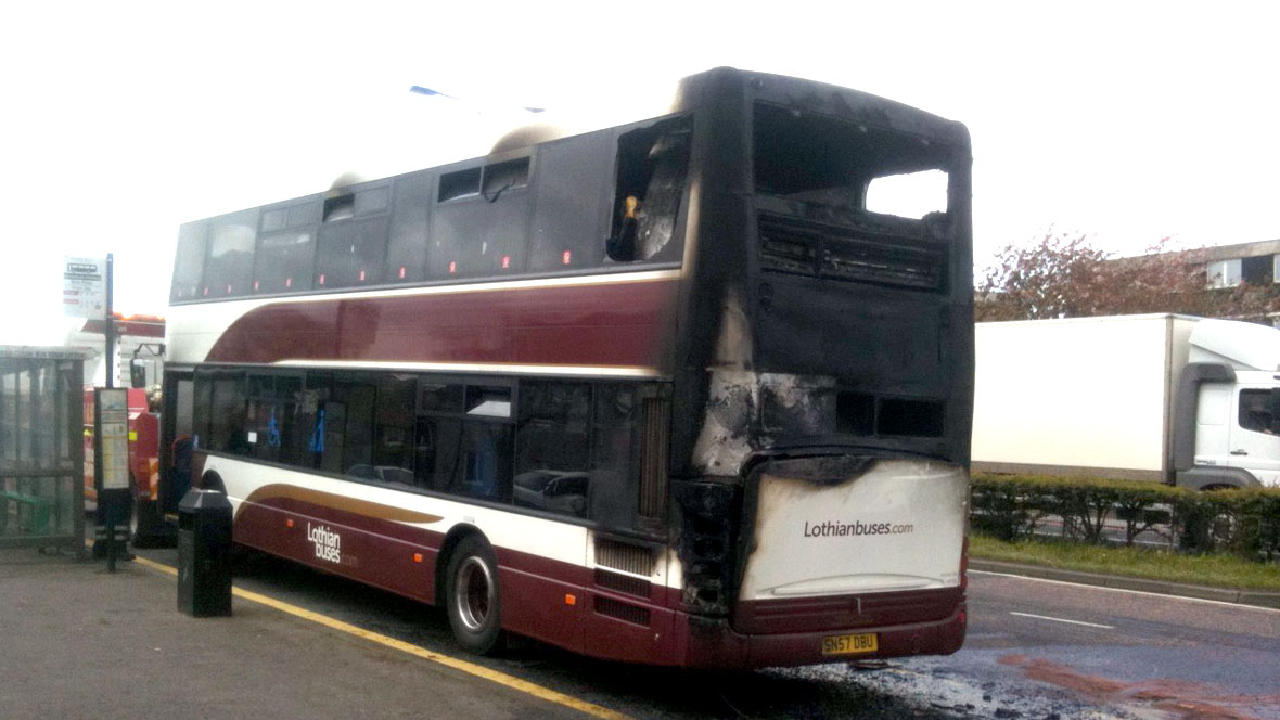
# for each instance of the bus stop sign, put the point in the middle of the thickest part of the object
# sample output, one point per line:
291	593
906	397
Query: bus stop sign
84	287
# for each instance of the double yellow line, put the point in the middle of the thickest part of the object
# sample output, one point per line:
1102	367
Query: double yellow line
449	661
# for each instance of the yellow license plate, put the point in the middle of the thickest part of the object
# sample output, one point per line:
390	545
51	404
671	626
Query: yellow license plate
850	644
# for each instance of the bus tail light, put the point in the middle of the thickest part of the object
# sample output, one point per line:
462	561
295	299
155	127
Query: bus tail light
567	257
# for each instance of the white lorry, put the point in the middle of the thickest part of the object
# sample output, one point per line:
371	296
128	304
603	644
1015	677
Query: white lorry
1171	398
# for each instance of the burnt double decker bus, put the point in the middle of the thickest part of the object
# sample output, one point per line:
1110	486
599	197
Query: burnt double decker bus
668	393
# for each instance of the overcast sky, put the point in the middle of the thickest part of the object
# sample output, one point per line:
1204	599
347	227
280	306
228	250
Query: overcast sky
1128	122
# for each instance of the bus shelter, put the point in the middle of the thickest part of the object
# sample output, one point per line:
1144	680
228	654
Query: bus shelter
41	447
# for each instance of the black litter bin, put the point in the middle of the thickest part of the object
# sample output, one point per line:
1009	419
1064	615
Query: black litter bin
204	554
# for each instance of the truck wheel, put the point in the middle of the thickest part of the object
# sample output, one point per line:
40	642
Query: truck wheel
472	596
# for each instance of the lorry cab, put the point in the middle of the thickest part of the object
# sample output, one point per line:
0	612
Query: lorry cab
1237	408
1238	426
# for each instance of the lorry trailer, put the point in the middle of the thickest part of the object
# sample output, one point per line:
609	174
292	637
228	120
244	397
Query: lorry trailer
1164	397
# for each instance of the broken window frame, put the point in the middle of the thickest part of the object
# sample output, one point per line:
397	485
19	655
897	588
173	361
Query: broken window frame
634	176
836	181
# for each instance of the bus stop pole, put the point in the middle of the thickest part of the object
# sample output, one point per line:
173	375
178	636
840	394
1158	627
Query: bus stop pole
109	326
109	370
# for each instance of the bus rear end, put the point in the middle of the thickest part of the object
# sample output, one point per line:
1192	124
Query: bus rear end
825	558
824	394
853	557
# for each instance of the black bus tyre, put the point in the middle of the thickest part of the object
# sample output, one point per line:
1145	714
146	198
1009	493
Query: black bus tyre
472	596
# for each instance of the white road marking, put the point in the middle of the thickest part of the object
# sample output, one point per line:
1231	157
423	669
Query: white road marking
1064	620
1235	606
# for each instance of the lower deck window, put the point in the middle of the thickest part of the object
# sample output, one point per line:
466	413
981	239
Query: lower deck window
554	447
464	458
547	445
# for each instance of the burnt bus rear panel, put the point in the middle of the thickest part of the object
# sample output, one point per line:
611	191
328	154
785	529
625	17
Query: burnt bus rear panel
825	345
857	325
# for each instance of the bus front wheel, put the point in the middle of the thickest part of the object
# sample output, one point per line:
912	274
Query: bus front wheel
472	596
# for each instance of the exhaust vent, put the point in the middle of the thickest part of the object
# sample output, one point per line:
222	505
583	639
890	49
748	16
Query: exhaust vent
622	583
622	611
624	557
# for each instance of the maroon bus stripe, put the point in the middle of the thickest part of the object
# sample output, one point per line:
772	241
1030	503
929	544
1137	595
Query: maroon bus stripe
621	324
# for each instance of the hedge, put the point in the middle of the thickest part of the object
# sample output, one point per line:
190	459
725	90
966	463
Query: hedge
1245	522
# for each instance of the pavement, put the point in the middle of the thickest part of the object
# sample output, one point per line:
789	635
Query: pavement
77	642
1163	587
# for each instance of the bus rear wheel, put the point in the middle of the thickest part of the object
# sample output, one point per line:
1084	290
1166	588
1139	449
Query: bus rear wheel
472	596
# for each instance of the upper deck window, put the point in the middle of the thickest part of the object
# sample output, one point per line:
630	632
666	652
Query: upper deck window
459	184
652	163
340	207
284	262
501	177
274	219
188	265
372	201
304	214
350	253
229	267
829	161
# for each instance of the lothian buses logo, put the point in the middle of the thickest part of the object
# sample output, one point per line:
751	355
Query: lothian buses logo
854	529
328	544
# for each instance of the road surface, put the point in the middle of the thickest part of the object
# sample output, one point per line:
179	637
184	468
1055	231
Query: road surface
1035	648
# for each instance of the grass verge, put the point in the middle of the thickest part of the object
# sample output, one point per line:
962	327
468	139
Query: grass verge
1224	571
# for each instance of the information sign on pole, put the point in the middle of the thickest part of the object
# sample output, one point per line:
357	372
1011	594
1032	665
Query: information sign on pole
84	289
111	470
113	434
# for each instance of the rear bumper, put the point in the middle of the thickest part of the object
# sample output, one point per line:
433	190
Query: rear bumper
708	643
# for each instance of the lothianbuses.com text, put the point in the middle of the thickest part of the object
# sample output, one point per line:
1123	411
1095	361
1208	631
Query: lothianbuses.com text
856	528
